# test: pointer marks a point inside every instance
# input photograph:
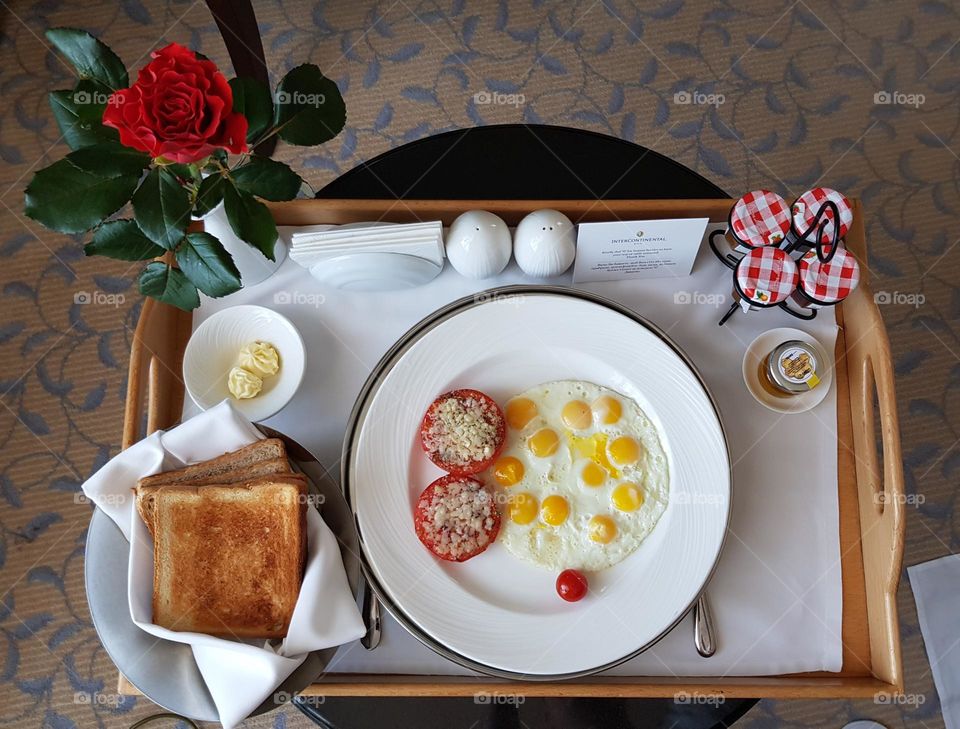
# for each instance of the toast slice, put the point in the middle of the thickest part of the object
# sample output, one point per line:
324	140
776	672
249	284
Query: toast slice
229	559
241	474
263	458
262	450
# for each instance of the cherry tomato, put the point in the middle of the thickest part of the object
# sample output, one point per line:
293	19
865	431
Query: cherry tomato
571	585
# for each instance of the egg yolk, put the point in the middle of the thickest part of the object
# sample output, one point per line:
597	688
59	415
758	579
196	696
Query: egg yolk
608	409
576	414
593	447
543	443
627	497
593	475
624	450
520	411
602	529
508	471
554	510
523	508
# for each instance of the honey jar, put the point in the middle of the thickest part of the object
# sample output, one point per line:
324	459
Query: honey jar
790	369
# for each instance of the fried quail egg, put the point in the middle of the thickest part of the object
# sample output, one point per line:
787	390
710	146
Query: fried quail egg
582	478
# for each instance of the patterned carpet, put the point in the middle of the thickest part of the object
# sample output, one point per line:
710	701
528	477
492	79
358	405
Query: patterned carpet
797	81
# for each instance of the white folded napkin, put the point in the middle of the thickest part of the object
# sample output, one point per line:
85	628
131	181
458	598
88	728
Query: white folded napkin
239	675
936	588
310	244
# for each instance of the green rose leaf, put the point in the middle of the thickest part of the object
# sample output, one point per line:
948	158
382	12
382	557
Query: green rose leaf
208	266
184	172
90	99
92	58
70	200
109	160
209	194
267	178
252	99
308	107
169	285
78	132
123	240
162	208
250	219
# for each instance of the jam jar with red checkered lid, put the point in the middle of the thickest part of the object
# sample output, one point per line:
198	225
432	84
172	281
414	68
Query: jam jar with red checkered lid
763	278
758	219
806	218
826	283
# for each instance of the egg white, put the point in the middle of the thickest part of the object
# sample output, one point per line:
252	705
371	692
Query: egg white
568	545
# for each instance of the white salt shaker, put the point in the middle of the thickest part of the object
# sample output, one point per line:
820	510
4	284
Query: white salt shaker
544	243
478	244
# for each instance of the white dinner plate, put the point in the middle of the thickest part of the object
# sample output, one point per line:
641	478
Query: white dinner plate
495	613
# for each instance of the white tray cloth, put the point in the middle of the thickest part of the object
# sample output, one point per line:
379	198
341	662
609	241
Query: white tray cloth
239	675
779	575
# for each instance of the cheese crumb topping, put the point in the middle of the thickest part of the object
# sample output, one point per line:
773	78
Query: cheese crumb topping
461	517
463	431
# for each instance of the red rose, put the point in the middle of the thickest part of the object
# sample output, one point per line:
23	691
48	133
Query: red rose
180	108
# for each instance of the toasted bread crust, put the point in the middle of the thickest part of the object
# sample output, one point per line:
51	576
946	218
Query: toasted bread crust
238	474
210	471
229	558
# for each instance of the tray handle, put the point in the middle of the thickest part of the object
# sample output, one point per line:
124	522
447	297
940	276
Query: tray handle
880	486
154	377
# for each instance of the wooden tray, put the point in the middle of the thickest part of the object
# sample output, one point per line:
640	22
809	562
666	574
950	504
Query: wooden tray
870	487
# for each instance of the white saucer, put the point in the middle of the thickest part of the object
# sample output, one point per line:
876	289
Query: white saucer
374	271
213	350
761	347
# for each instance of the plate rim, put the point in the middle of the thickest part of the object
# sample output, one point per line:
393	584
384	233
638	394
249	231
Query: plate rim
383	367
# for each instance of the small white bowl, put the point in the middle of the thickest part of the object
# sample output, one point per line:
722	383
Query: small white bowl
760	348
214	348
